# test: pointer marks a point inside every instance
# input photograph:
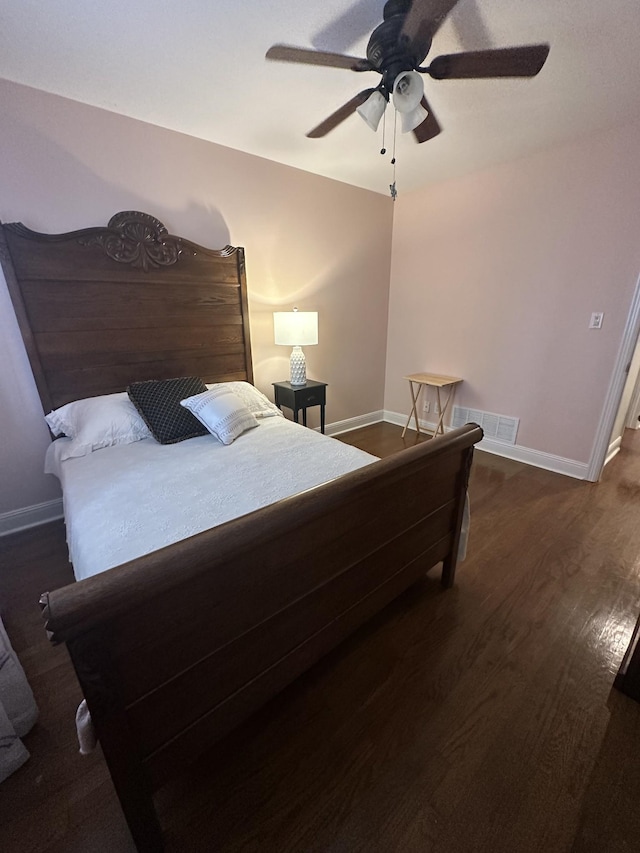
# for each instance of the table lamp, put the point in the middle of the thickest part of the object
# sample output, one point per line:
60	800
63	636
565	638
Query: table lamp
296	329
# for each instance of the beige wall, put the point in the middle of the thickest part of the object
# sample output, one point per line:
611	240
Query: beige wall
494	279
316	243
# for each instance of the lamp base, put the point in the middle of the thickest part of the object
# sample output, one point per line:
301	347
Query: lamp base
298	367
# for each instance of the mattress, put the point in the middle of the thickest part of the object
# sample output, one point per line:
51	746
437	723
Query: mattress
124	501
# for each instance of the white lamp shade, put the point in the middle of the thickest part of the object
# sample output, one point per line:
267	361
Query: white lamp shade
408	90
295	328
373	109
409	121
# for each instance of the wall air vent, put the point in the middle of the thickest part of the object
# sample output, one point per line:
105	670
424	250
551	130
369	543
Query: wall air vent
496	427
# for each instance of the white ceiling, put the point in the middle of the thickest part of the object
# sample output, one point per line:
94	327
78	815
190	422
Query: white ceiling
198	66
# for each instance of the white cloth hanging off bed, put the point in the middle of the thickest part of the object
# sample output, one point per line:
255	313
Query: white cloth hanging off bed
18	710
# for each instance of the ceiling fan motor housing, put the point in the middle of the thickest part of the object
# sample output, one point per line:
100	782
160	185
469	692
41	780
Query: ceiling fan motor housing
395	7
387	52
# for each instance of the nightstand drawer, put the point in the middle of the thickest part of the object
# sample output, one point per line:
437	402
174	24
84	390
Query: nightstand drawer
310	397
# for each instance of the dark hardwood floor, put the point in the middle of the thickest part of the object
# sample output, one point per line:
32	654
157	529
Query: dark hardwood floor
476	720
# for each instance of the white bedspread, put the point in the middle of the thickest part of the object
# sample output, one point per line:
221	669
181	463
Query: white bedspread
124	501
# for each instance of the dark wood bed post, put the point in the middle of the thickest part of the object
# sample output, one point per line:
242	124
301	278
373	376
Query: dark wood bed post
22	317
450	562
130	779
90	658
244	304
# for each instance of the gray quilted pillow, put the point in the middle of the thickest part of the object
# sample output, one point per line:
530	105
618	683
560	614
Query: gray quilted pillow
158	402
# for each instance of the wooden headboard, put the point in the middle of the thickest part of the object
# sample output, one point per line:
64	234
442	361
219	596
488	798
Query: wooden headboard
102	307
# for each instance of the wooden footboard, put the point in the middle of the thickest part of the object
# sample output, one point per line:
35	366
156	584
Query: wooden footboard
176	648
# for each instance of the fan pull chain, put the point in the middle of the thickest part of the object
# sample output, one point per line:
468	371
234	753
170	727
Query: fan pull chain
392	187
383	150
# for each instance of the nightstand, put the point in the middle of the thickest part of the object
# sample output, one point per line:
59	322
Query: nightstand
298	397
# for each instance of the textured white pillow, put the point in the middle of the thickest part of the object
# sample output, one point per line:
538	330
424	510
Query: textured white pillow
97	422
259	405
222	412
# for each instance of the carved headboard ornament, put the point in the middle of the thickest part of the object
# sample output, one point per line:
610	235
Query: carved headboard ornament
138	239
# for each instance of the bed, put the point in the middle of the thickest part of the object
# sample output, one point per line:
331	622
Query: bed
176	646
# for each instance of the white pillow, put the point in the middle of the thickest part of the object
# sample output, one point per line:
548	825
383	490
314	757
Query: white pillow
97	422
259	405
222	413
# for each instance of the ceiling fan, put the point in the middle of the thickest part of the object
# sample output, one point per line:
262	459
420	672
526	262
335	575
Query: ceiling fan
396	49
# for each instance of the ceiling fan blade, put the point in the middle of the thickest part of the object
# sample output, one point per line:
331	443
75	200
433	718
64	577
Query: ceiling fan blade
422	22
356	22
429	127
286	53
340	114
523	61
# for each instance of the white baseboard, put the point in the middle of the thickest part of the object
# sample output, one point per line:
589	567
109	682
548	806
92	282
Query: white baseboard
537	458
338	427
401	420
30	516
613	449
